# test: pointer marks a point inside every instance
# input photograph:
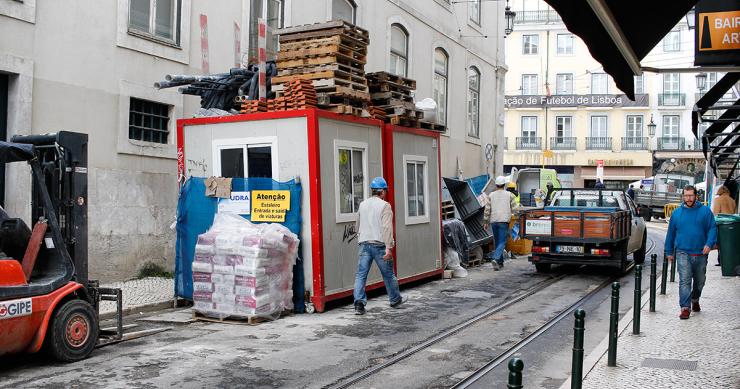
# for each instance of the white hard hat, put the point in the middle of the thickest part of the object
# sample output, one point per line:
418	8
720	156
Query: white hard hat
500	180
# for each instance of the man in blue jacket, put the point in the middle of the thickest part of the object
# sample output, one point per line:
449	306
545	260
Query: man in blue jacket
692	233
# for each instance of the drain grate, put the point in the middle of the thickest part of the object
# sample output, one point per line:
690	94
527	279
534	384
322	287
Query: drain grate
674	364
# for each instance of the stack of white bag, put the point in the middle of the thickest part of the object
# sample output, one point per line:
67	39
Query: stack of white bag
242	269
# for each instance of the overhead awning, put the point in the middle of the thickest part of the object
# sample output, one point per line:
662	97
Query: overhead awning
620	33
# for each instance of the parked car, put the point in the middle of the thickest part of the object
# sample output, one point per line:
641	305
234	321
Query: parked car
585	227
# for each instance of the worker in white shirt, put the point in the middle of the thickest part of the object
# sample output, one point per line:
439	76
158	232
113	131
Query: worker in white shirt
374	228
498	211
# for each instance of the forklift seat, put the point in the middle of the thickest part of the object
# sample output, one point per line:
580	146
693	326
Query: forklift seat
14	235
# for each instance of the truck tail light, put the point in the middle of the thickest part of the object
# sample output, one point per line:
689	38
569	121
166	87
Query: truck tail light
599	252
540	249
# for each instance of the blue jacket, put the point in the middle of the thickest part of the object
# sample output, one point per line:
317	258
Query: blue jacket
690	230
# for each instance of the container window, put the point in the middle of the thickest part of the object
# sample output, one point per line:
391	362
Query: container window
351	179
416	179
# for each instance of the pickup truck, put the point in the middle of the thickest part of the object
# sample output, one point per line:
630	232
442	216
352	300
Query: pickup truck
585	227
656	202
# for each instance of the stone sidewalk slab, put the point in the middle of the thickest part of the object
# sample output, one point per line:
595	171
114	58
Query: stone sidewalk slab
141	293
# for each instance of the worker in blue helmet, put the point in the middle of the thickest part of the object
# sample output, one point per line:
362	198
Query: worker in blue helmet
374	228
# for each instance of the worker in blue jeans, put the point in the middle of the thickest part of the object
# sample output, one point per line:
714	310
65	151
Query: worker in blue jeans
499	208
374	228
692	232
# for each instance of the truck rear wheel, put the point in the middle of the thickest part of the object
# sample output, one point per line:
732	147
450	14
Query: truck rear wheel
542	267
73	332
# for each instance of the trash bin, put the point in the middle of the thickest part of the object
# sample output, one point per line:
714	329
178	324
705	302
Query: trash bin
728	233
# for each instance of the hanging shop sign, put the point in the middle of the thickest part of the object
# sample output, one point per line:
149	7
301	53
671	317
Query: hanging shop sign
270	205
717	36
541	101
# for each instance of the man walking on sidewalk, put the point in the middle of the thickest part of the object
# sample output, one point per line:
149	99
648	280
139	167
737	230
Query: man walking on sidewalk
692	233
374	228
498	210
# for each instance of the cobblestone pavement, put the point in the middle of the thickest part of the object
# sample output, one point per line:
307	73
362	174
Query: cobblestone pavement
138	293
710	339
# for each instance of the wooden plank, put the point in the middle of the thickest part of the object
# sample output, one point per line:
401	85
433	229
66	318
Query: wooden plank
323	34
333	24
334	50
249	320
352	44
335	67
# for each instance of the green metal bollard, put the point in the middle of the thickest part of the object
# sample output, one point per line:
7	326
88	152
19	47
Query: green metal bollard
613	318
673	269
515	373
576	376
638	294
653	279
664	275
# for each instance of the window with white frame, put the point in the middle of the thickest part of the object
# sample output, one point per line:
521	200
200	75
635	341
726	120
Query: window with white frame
639	84
672	42
671	83
274	21
344	10
529	129
671	126
530	44
473	102
563	128
157	19
565	44
599	84
399	50
246	157
564	84
439	84
416	190
634	128
529	84
474	11
599	132
148	121
351	172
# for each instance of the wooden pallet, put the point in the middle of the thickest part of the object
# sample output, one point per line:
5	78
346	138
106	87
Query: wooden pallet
347	110
353	73
448	210
249	320
432	126
392	95
326	74
322	30
395	103
385	77
325	99
339	51
474	262
358	48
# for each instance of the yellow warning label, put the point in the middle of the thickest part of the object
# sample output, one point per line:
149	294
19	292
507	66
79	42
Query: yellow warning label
270	205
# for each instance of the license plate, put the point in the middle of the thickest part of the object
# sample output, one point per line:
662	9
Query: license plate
570	249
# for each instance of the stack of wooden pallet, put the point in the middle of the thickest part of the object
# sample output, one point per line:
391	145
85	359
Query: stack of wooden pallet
448	210
332	56
393	94
300	94
253	106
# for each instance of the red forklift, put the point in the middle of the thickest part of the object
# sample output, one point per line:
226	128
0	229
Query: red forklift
47	301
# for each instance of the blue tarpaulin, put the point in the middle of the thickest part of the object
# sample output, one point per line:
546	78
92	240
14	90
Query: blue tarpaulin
195	213
477	183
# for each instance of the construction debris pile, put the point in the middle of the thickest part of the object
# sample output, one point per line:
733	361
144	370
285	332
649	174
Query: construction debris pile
243	270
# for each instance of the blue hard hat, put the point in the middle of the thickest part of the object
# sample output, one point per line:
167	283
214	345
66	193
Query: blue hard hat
378	183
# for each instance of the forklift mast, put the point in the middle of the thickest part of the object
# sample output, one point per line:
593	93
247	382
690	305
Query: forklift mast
63	160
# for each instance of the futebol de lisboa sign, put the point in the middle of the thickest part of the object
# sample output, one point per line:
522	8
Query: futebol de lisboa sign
541	101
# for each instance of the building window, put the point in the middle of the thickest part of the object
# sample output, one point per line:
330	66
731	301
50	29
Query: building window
565	44
530	44
634	127
351	170
344	10
672	41
529	84
564	84
599	84
639	84
156	19
415	176
474	11
148	121
399	50
529	129
440	84
274	22
671	83
598	129
671	126
563	127
474	102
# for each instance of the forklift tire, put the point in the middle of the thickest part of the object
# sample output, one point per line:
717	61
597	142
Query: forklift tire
74	331
639	255
542	267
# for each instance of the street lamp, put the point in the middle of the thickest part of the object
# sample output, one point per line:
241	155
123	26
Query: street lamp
651	127
690	20
701	81
509	15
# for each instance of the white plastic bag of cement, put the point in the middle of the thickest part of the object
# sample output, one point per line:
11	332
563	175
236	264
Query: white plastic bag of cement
453	263
429	106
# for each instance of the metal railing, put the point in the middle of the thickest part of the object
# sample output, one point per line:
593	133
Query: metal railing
529	143
563	143
668	143
634	143
536	17
598	143
671	99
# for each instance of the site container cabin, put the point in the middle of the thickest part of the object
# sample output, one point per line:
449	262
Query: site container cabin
334	156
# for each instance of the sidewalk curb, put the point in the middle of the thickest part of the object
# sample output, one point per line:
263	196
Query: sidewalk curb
140	308
595	356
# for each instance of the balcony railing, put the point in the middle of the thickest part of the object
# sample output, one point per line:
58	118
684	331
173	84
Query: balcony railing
671	143
529	143
563	143
671	99
537	17
598	143
634	143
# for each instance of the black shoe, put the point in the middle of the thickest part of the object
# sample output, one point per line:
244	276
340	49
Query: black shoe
717	264
359	308
399	302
